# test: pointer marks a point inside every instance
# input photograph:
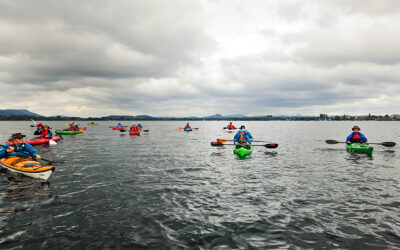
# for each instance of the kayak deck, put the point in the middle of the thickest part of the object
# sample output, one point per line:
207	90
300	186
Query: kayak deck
27	166
242	150
41	140
360	148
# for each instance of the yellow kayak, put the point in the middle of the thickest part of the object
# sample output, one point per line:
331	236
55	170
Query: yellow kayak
27	166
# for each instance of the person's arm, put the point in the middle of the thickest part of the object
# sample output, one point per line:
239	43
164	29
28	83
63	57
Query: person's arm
31	150
250	136
3	151
364	138
349	138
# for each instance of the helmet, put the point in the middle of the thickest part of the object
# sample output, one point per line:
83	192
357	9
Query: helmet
356	127
133	123
242	127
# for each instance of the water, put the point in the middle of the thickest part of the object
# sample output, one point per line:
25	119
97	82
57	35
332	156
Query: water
171	189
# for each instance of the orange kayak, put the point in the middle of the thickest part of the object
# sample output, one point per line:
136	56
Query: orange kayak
27	166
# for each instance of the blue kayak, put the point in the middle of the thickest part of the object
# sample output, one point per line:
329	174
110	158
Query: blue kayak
187	129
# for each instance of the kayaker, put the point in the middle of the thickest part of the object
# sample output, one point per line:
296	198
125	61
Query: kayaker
71	127
119	125
76	127
230	126
39	129
356	136
133	128
187	125
139	126
47	132
243	136
16	146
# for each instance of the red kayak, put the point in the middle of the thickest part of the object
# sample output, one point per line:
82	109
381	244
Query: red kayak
134	132
41	140
119	128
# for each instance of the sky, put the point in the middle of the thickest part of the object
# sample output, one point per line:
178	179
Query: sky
200	57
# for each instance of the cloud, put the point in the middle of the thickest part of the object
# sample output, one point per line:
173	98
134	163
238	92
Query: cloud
181	57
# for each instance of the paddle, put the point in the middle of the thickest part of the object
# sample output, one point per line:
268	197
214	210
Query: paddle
219	144
386	144
225	140
191	128
51	162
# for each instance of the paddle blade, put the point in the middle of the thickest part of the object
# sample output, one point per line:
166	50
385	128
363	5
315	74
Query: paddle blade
51	142
332	142
122	130
32	126
221	140
146	130
216	144
388	144
271	145
180	128
196	128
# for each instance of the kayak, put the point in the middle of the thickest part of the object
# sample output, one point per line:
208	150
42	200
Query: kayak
230	130
67	132
82	130
41	140
119	128
134	133
92	124
27	166
360	148
242	150
187	129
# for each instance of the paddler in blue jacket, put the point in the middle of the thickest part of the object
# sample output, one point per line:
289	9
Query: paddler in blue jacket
17	147
356	136
243	136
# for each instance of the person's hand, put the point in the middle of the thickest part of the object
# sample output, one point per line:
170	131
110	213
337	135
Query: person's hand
251	139
10	149
366	142
348	142
2	159
38	157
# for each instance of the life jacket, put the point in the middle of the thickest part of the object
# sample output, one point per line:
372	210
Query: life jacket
187	126
242	139
17	148
45	133
133	128
230	126
71	127
356	138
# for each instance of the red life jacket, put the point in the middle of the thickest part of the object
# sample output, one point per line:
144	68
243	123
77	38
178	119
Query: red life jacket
133	128
45	133
230	126
71	128
356	138
187	126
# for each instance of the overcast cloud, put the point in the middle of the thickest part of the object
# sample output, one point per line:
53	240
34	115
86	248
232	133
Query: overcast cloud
179	57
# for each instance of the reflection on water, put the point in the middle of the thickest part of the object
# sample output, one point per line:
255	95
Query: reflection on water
168	189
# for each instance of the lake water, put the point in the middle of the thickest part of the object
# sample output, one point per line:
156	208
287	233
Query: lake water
170	189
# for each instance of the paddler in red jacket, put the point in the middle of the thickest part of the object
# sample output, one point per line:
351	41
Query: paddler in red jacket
133	128
230	126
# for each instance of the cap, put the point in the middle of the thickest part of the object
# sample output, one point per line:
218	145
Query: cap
356	127
17	136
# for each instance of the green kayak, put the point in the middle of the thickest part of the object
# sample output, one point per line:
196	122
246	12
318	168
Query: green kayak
242	150
360	148
67	132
